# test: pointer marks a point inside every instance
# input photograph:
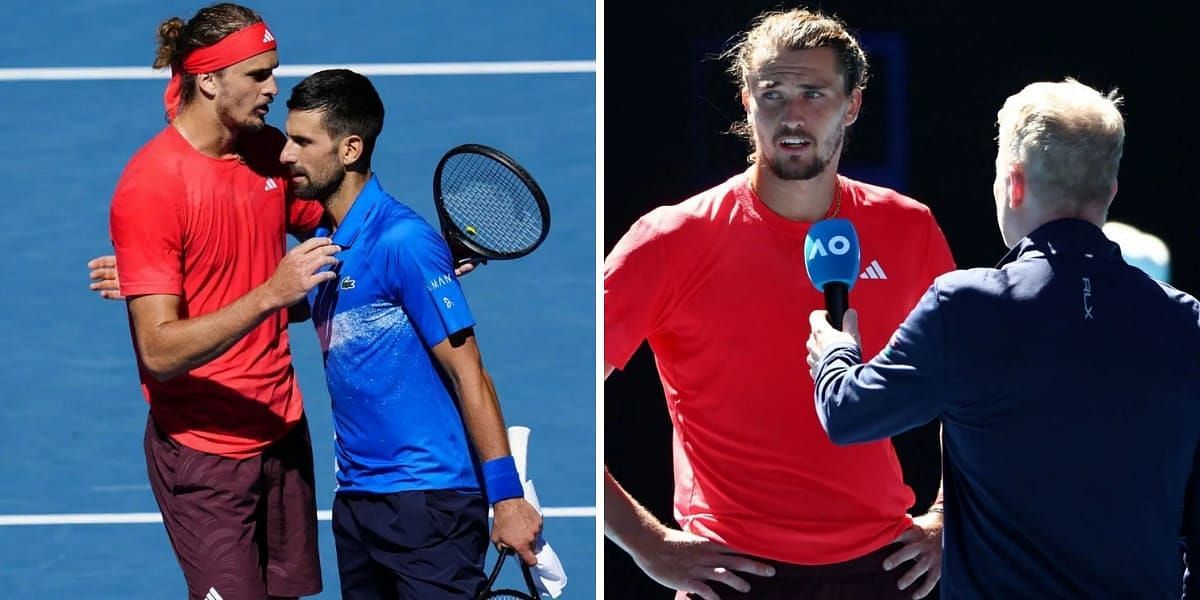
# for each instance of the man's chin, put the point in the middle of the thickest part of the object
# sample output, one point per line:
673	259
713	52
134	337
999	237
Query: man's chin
254	125
791	171
305	193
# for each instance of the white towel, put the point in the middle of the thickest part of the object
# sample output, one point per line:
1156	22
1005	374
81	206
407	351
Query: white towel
548	573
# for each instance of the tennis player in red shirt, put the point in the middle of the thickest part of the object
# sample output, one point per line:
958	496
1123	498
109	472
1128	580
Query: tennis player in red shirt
765	502
198	221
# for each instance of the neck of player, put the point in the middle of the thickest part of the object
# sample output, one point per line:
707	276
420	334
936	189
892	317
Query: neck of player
205	131
808	200
339	202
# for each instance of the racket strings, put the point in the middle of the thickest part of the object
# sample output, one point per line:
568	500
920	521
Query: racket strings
507	595
490	204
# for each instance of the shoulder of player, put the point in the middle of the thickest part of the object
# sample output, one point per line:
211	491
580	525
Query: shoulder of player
155	166
882	199
696	214
400	225
160	151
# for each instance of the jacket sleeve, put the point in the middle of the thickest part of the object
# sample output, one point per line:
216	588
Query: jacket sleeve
1191	533
901	388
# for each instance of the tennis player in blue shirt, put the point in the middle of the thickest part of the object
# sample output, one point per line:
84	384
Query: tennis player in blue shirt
1067	381
420	439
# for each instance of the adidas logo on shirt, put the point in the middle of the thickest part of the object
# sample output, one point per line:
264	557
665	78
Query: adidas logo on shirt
267	37
270	185
873	271
213	595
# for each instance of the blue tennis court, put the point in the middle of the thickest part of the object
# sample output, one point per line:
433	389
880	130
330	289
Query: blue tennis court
76	513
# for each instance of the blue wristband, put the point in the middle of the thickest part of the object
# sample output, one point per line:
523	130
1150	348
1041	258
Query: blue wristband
500	477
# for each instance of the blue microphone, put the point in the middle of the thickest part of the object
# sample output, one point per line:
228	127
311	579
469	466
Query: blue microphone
831	259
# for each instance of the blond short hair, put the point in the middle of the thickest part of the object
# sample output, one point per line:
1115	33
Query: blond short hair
1069	138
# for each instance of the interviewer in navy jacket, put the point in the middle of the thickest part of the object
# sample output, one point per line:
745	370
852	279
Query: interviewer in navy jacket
1068	382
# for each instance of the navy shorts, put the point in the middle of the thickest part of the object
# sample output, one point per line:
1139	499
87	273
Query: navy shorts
418	545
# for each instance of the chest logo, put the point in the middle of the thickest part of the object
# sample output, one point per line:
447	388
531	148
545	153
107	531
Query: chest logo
270	185
1087	299
347	283
873	271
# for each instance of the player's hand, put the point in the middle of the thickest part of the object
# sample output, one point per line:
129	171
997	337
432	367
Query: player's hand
923	543
824	335
104	277
516	525
687	562
300	271
463	269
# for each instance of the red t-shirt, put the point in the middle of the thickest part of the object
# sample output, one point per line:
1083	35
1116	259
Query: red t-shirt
210	230
717	286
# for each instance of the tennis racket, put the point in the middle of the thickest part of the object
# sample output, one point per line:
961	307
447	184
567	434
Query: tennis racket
490	208
530	592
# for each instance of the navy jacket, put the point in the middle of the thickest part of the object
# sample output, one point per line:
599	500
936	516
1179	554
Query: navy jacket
1068	384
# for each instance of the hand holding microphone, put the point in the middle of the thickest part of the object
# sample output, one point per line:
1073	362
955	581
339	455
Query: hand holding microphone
831	259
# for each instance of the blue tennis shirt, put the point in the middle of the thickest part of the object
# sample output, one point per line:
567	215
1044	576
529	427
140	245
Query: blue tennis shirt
1068	384
396	420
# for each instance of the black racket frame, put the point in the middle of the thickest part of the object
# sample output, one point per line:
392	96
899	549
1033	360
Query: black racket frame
461	247
530	594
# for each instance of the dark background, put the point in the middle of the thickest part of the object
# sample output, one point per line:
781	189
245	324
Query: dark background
941	70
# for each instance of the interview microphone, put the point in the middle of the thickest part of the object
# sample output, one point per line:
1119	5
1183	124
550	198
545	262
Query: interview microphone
831	259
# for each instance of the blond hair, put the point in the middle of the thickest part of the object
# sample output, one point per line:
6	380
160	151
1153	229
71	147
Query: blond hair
1069	138
798	29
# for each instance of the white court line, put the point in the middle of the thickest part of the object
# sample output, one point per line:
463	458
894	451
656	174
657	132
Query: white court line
449	68
153	517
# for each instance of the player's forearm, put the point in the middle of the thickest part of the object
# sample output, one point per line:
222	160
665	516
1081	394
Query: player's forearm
172	348
481	414
627	523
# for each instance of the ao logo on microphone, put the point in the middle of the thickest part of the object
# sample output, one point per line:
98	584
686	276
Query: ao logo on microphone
831	253
838	245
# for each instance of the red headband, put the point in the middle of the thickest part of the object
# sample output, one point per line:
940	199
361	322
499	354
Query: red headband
232	49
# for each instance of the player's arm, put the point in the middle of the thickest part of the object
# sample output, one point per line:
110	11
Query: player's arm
901	388
170	345
676	559
517	523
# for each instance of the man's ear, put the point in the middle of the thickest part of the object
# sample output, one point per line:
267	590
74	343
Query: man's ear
207	83
350	149
1015	183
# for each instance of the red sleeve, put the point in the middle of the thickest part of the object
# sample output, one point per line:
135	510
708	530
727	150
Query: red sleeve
937	252
637	290
303	216
146	226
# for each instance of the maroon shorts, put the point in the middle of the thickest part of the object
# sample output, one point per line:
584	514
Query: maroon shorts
861	578
241	529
